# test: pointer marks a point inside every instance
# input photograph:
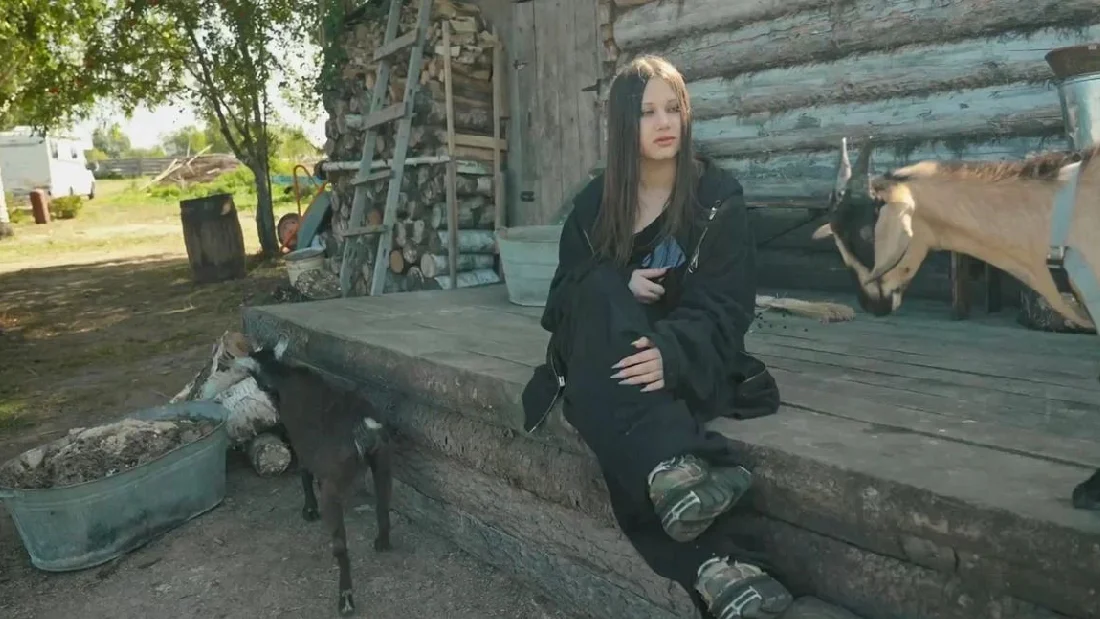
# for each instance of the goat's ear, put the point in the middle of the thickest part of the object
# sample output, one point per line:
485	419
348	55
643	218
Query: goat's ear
824	232
893	233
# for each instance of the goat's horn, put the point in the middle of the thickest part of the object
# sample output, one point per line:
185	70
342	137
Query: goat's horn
281	346
844	168
861	177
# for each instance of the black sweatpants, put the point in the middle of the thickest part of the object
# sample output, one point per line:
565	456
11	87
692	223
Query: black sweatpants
629	431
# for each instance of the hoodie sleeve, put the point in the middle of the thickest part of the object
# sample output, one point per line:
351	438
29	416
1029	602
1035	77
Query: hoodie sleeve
700	338
574	252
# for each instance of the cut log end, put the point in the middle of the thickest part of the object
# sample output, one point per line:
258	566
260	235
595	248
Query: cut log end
268	454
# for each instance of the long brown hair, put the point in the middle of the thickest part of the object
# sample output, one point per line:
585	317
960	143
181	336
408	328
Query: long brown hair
614	227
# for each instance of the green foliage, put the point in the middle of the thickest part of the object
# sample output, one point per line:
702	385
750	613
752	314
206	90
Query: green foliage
111	140
236	51
66	207
73	53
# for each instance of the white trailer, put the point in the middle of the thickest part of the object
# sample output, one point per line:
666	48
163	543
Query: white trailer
54	163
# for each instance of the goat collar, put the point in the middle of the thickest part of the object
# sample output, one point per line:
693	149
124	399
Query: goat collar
1065	263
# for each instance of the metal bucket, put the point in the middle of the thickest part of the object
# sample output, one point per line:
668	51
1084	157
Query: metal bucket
84	525
529	257
1077	69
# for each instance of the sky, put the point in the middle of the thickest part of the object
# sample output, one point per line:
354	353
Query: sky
147	127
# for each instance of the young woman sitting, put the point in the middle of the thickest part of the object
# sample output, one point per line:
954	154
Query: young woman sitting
648	310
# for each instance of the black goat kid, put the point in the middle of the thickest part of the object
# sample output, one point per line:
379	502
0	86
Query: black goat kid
334	433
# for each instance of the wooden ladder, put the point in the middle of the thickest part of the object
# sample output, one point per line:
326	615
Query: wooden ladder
402	112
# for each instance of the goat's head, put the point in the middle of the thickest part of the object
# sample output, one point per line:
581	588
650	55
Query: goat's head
263	364
872	227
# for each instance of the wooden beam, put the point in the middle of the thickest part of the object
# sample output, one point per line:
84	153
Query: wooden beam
499	145
996	111
820	31
917	70
481	141
452	191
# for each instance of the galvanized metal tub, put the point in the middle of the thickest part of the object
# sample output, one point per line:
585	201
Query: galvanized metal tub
84	525
529	257
1077	69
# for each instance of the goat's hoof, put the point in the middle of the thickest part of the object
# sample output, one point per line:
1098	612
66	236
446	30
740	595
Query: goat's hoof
309	514
382	544
347	605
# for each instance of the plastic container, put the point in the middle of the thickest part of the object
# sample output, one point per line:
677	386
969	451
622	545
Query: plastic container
302	260
84	525
529	257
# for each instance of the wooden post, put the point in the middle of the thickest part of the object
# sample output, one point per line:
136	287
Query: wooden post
960	286
452	173
498	101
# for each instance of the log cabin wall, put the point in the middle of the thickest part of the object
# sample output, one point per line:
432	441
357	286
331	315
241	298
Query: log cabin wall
775	85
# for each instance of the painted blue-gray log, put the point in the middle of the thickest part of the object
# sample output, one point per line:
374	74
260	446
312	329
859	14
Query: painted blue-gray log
794	176
907	71
705	38
1012	110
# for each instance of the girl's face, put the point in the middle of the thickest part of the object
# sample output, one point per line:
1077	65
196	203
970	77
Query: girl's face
660	125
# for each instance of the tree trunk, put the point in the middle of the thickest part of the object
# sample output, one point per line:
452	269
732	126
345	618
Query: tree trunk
6	228
265	210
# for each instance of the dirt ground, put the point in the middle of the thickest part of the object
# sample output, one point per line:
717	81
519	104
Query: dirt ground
95	324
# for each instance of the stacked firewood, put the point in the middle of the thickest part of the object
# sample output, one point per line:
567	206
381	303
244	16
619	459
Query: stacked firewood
419	254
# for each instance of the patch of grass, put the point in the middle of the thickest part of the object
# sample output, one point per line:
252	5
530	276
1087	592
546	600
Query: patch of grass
13	416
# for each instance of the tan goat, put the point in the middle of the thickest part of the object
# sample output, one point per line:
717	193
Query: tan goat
999	212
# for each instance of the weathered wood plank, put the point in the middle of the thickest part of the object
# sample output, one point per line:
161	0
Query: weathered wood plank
657	22
587	126
837	30
526	119
922	350
1062	405
810	175
909	71
985	373
1013	110
548	32
856	401
567	60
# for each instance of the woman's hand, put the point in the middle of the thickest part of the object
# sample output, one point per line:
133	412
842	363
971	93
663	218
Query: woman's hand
643	368
642	286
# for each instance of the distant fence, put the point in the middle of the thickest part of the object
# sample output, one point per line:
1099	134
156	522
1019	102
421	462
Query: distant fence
133	167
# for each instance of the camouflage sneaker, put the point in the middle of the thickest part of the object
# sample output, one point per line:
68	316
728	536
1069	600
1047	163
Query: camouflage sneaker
740	591
688	495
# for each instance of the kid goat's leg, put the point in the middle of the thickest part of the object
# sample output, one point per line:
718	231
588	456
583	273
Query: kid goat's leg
332	511
383	489
309	509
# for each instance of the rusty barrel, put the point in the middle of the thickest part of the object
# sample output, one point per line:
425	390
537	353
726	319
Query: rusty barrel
40	206
212	233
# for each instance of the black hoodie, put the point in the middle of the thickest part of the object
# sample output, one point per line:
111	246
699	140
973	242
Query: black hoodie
709	303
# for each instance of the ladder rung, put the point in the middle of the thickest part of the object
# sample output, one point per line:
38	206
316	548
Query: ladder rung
406	40
365	230
377	175
384	115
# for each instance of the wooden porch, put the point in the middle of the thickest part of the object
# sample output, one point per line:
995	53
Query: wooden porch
936	450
